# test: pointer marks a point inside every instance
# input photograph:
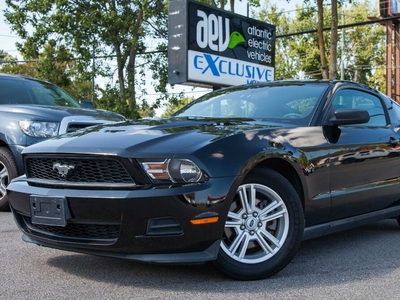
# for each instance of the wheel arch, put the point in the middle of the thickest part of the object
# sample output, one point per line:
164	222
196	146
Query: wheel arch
288	171
3	143
15	155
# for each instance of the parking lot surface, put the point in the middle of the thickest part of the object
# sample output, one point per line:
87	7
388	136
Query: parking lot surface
358	264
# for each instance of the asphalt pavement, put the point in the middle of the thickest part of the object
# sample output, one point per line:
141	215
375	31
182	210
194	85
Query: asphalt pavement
363	263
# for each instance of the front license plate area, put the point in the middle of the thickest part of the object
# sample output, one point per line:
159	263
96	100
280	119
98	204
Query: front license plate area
49	210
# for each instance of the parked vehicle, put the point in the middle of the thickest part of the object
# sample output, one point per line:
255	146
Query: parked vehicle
239	177
31	111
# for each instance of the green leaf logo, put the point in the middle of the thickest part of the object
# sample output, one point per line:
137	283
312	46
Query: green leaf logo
235	39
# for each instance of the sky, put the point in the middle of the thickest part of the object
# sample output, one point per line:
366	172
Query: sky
7	38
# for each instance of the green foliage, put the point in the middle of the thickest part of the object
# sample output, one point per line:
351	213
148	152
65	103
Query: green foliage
223	4
54	65
174	106
92	28
10	65
109	101
364	48
298	56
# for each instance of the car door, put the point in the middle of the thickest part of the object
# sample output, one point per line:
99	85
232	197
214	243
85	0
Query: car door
364	166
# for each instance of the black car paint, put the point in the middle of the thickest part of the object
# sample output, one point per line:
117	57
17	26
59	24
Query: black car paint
335	194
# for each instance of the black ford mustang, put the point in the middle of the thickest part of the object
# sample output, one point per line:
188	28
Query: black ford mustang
240	177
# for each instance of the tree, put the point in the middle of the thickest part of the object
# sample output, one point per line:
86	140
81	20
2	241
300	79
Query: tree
88	29
221	4
334	39
54	65
286	64
331	71
298	56
363	48
174	106
9	65
321	41
327	72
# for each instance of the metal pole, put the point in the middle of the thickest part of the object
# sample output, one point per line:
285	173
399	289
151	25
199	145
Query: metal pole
389	57
396	95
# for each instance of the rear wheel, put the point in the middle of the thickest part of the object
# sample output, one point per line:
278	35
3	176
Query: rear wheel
8	171
264	227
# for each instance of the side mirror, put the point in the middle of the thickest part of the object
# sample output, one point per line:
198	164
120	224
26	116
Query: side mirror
349	116
87	104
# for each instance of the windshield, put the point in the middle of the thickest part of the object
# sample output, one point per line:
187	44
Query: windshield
276	102
32	92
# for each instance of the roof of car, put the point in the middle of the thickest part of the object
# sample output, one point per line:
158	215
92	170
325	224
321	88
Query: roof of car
15	75
22	77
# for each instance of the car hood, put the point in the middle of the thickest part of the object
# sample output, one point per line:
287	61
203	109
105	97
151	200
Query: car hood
58	112
148	138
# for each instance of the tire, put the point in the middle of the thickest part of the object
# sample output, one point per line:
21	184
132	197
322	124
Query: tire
264	227
8	171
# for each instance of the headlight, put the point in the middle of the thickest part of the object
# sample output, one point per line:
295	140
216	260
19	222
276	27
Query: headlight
173	170
39	129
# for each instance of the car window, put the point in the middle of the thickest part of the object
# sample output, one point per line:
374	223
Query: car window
396	109
349	98
27	91
281	103
227	108
11	92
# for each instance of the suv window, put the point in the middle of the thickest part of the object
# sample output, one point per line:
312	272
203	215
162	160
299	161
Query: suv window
28	91
12	92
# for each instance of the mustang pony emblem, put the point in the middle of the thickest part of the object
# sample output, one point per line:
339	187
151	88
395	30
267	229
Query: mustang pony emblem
63	170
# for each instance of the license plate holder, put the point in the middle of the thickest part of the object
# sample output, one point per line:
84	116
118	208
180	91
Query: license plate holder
47	210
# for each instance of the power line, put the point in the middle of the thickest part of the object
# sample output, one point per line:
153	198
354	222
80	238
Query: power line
9	36
75	59
341	26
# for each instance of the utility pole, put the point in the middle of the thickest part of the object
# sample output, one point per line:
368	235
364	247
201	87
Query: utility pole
342	62
93	71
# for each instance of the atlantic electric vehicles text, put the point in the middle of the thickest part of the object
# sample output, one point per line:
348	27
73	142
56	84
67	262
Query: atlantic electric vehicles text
214	37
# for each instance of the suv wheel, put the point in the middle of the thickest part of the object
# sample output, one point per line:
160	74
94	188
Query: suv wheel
8	171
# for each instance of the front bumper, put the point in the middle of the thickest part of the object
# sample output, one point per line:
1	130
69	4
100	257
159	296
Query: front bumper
146	225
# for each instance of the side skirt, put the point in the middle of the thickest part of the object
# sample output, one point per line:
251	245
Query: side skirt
351	222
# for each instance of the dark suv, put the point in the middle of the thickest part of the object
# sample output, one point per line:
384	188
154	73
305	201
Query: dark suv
31	111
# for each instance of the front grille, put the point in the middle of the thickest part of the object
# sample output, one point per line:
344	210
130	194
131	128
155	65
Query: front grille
80	232
80	171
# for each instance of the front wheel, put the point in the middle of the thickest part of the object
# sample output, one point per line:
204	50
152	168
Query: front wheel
264	227
8	171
